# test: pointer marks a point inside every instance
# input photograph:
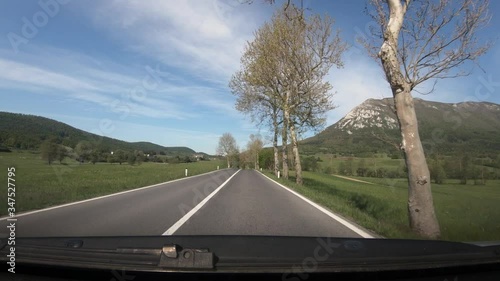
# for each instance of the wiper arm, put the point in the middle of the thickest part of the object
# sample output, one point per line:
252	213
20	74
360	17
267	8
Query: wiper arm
170	256
174	256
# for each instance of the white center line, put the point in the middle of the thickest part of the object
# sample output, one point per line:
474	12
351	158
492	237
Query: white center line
183	220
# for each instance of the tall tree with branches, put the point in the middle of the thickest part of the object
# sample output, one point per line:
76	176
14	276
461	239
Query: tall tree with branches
421	41
227	147
314	50
259	102
286	64
254	146
259	88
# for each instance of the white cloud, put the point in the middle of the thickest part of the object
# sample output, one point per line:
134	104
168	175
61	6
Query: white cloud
114	87
23	73
192	40
203	37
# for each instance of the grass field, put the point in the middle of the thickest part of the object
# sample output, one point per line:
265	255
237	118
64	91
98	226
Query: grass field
39	185
378	161
465	213
381	161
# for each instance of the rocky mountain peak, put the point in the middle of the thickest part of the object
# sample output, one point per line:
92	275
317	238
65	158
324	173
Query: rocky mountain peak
372	113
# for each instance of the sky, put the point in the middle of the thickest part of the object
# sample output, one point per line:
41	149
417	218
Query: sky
158	71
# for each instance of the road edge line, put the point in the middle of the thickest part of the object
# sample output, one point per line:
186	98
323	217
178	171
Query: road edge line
104	196
187	216
329	213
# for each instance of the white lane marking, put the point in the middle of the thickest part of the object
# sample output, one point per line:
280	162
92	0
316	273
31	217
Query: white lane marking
349	225
187	216
104	196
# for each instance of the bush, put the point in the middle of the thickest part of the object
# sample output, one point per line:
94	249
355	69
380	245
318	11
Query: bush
362	172
310	164
131	158
371	173
381	173
396	155
393	174
329	170
4	148
437	171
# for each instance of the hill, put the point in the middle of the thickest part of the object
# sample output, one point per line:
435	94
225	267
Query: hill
445	128
22	131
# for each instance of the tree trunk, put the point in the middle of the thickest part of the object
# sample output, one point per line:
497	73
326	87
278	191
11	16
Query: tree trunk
228	164
284	139
256	165
295	147
275	147
420	204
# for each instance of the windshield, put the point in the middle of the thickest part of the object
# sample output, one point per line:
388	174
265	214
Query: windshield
356	119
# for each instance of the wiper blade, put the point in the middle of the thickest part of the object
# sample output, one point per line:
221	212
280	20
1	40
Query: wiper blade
248	253
170	256
174	256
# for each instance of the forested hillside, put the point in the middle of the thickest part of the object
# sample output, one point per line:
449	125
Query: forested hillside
28	132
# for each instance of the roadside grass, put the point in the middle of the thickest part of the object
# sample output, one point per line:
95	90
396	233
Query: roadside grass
465	213
39	185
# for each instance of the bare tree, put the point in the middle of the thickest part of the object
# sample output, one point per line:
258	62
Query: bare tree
227	147
421	41
312	98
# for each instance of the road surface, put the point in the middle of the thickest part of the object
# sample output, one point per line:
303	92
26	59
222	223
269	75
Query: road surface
226	202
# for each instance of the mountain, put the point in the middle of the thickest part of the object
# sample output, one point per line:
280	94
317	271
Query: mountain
21	131
445	128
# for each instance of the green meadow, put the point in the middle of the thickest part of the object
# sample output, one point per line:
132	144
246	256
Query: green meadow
39	185
465	212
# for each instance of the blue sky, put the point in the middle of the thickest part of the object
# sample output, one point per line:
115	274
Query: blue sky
158	70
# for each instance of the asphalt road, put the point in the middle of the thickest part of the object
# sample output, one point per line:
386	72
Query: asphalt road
226	202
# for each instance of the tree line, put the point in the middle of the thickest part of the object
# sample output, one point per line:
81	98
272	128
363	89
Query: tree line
244	158
280	83
87	152
464	167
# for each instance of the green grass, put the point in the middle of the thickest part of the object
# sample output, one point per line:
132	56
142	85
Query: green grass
39	185
465	213
374	162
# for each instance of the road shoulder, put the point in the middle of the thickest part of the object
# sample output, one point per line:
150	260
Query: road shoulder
365	233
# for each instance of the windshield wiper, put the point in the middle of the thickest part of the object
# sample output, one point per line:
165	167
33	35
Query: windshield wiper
174	256
72	253
248	253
